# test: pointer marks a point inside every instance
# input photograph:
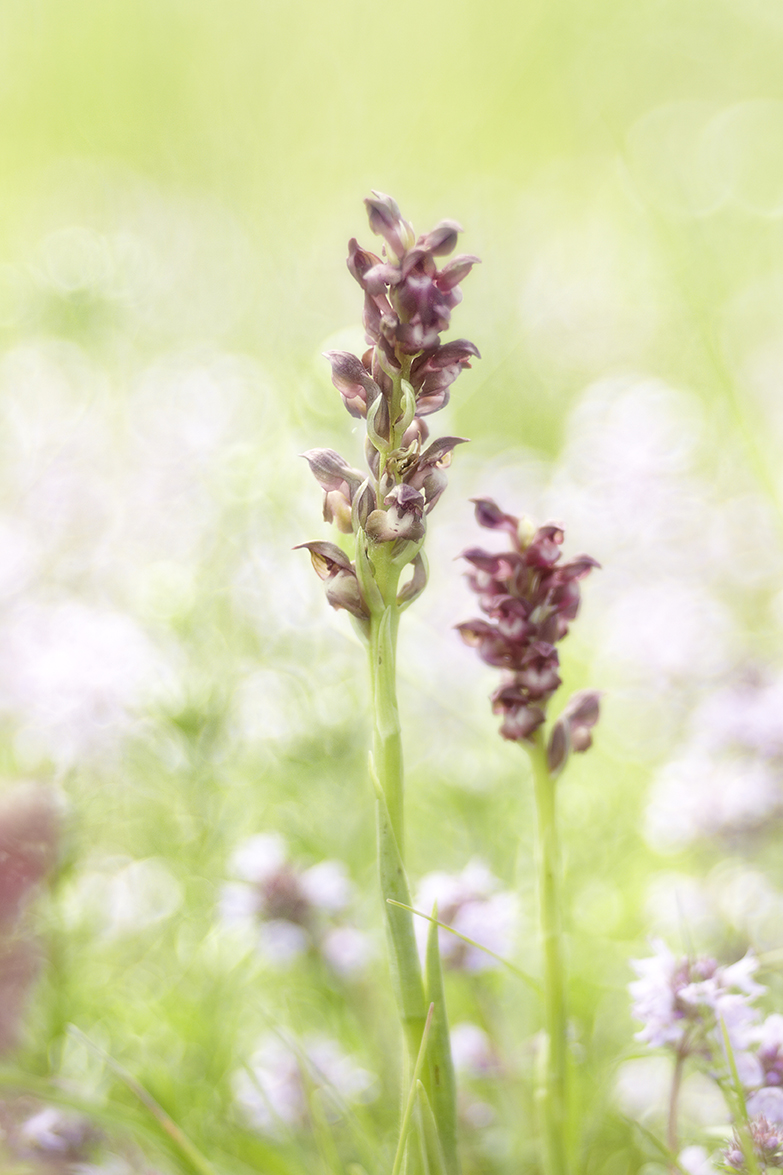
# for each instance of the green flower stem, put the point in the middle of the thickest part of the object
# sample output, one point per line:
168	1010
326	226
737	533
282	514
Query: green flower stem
553	1094
388	772
387	736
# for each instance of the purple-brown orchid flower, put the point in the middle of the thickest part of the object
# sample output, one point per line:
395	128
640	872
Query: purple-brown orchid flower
404	376
530	598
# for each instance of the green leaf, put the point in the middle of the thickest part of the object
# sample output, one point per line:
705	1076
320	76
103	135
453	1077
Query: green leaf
404	956
442	1084
429	1129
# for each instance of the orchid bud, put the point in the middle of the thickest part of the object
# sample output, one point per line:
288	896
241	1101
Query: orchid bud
582	713
378	427
489	515
331	471
416	584
360	261
442	239
337	511
544	548
364	503
456	271
428	472
342	591
386	221
558	747
353	381
334	567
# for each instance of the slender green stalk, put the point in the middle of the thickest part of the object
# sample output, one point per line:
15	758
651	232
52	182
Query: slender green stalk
674	1096
442	1082
387	736
388	775
739	1108
407	979
553	1092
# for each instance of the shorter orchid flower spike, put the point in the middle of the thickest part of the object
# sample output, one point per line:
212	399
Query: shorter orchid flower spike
530	598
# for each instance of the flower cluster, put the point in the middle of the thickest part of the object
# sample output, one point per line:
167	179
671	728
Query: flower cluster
407	306
283	1074
530	599
405	375
474	904
767	1140
46	1139
290	910
682	1001
726	780
685	1004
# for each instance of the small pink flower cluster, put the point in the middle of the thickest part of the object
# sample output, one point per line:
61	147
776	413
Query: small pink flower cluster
685	1003
681	1001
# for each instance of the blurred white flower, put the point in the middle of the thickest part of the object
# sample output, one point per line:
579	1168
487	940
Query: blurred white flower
327	885
668	629
471	902
77	676
289	910
746	714
259	857
55	1133
681	1001
696	1161
767	1103
347	949
282	1076
472	1050
699	796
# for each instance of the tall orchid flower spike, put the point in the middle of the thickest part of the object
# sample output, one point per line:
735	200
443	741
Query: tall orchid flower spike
405	375
530	599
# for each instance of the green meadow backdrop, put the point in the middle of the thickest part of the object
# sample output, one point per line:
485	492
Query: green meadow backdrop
179	184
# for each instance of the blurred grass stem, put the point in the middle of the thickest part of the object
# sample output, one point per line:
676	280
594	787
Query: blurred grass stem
674	1097
553	1093
411	1099
193	1156
736	1099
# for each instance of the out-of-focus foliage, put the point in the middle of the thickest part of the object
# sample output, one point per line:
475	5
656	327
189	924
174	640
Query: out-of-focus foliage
179	184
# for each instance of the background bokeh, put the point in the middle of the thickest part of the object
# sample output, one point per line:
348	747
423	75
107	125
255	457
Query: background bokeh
179	184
